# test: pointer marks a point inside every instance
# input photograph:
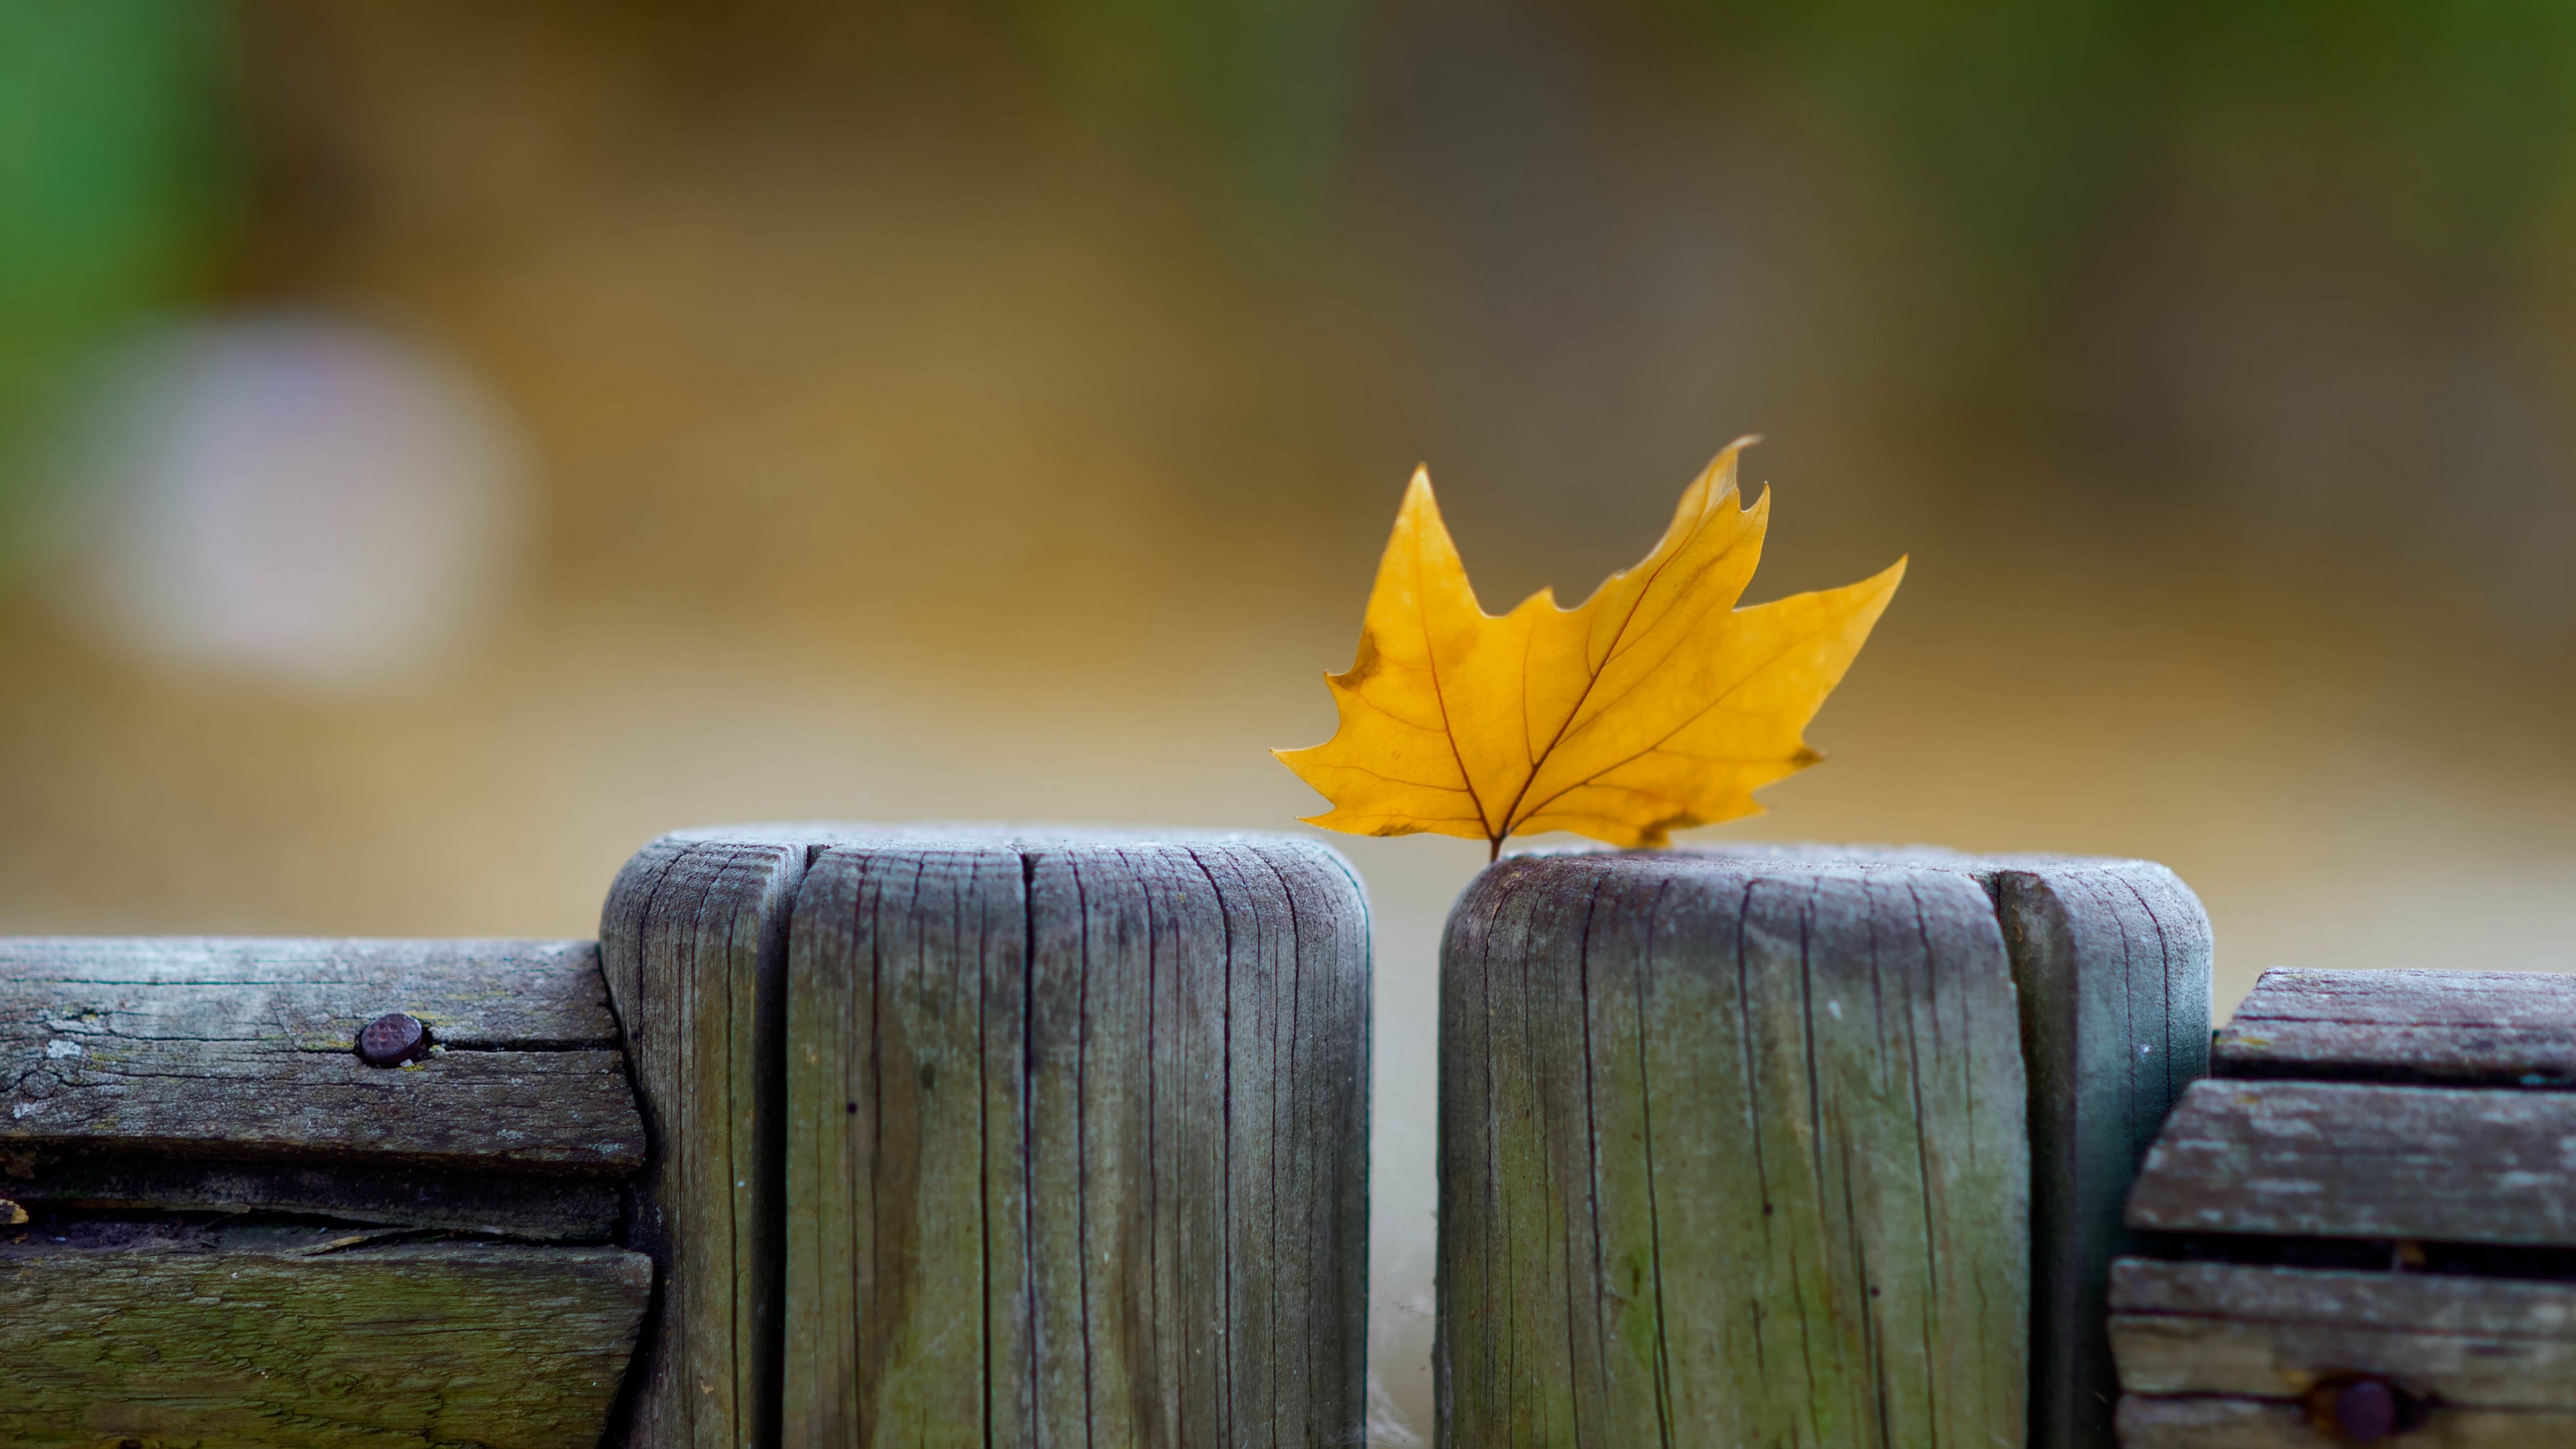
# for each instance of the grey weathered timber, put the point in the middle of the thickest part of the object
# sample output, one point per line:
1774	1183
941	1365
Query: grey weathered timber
2112	960
2111	968
308	1338
1077	1143
223	1230
2267	1332
2224	1423
2362	1160
2417	1116
245	1049
2483	1028
1733	1152
693	942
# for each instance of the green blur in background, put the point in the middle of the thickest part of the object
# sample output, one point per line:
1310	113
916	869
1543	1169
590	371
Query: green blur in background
119	182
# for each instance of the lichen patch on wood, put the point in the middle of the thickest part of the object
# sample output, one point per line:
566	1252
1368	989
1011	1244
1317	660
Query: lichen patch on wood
411	1346
1733	1152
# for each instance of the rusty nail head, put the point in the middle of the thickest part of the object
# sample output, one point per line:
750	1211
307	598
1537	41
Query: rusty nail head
2366	1410
393	1039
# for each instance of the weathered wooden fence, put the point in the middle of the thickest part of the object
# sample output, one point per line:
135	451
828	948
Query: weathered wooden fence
845	1137
2364	1225
1799	1147
1077	1145
964	1140
231	1230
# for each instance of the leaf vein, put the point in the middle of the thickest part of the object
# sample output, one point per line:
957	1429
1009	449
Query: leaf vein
1697	715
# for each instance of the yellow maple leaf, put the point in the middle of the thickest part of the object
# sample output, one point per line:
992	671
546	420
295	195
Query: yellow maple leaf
1652	706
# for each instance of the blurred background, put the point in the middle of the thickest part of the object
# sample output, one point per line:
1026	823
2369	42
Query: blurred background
442	446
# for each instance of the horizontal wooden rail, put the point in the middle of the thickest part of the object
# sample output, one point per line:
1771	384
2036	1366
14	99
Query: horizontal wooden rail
226	1226
2359	1227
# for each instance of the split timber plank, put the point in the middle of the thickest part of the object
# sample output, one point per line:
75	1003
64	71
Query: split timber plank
246	1049
294	1346
1732	1152
2224	1423
2222	1328
2360	1160
2112	959
1077	1144
2111	970
559	1209
693	942
2492	1028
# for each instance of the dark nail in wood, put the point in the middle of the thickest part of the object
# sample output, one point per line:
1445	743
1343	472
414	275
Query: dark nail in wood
246	1049
2409	1125
178	1112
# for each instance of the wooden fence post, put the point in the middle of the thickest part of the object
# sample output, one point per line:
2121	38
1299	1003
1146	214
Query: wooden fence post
1740	1144
2112	960
1012	1140
693	942
1077	1144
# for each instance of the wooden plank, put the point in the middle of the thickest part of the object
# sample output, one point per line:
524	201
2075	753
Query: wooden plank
2352	1160
1320	1001
548	1208
1513	1165
1261	1352
891	1308
1077	1143
2111	968
2216	1423
246	1049
1732	1152
1112	1153
2222	1328
2111	960
2504	1028
1063	1190
273	1340
1976	1275
1187	1056
693	943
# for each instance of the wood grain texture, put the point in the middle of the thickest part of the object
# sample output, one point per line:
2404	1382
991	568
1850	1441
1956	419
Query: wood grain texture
2224	1423
1078	1143
2111	968
1732	1152
2223	1328
2112	959
2495	1028
246	1049
693	943
2357	1160
272	1340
